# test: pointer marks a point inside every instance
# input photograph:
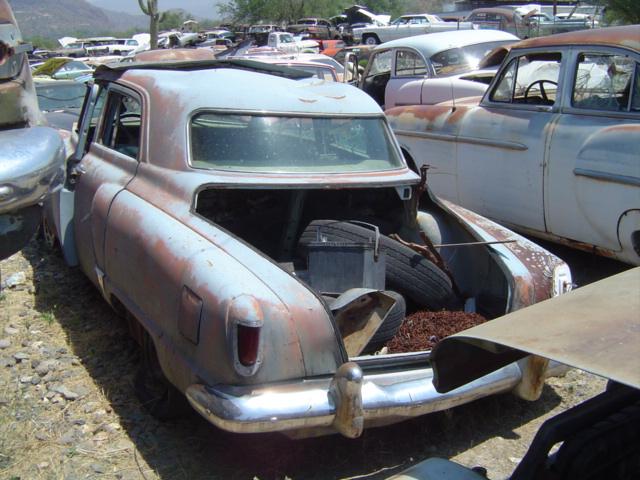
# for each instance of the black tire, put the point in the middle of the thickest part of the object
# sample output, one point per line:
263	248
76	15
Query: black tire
370	40
408	273
391	324
157	395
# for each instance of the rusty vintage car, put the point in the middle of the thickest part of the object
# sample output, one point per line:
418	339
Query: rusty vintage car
551	149
31	154
246	236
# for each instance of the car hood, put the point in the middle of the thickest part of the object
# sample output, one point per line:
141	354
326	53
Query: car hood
595	328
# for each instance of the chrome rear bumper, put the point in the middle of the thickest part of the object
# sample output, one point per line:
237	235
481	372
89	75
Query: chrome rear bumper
344	403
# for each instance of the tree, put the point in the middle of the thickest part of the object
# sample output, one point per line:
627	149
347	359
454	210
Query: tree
150	8
623	11
174	19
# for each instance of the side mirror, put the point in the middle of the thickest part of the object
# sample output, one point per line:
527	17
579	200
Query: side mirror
351	74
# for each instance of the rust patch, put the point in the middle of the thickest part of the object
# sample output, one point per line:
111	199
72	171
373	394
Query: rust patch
627	36
423	330
175	54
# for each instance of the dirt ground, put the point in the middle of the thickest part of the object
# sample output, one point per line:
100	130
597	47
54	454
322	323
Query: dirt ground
68	410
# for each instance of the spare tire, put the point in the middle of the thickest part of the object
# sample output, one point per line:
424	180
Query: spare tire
408	273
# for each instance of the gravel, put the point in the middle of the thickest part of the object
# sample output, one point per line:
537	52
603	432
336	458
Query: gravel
68	409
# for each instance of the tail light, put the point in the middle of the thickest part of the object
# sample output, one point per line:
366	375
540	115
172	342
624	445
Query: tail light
245	320
248	344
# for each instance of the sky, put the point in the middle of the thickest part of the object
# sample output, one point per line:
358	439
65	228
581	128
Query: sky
199	8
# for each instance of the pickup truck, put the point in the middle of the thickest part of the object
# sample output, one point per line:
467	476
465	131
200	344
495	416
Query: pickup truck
407	26
287	43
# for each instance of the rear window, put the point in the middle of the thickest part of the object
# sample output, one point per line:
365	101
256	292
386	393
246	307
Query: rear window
461	60
261	143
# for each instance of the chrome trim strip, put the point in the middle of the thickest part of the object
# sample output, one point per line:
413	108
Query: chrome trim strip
457	138
609	177
304	404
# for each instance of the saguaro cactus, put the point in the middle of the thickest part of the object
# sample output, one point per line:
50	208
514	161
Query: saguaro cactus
150	8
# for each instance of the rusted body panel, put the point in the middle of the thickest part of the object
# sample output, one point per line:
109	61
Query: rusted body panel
594	328
562	168
627	37
165	241
31	155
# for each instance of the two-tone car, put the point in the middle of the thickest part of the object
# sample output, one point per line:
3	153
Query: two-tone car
552	148
266	238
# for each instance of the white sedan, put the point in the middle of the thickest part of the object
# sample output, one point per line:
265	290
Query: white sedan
432	68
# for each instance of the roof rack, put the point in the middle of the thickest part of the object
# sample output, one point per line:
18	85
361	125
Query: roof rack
112	71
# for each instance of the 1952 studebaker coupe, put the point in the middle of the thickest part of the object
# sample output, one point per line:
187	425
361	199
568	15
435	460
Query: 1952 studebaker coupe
241	221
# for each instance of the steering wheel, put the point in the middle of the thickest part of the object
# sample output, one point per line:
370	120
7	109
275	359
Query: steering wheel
543	93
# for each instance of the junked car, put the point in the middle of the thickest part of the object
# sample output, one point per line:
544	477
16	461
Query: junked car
552	147
60	101
246	237
31	154
428	69
406	26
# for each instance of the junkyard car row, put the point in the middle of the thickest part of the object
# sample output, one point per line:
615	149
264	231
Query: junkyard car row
565	165
267	238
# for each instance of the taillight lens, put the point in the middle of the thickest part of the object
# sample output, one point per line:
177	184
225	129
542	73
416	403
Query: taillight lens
248	345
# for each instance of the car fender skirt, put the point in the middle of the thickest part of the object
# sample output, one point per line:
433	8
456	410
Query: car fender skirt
345	403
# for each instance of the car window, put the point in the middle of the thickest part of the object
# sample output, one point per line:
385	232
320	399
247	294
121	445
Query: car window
603	82
409	64
464	59
121	127
259	143
635	98
59	96
381	63
530	79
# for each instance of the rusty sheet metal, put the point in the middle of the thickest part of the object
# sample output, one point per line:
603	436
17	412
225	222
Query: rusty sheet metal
595	328
6	15
534	282
175	54
627	36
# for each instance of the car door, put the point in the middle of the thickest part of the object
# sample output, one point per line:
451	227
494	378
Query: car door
592	192
502	145
408	72
110	162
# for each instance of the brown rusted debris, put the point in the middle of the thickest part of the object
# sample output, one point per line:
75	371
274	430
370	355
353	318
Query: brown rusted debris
429	252
422	330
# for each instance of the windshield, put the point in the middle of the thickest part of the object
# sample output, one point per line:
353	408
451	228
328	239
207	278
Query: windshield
60	97
463	60
255	143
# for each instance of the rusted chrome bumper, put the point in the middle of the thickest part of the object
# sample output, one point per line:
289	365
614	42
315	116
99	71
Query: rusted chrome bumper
344	403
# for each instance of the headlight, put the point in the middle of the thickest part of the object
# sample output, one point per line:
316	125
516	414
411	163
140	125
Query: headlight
562	281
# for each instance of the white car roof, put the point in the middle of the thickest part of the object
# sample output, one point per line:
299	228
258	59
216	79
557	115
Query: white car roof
431	43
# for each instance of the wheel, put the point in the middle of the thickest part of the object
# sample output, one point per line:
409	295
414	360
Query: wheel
371	40
158	396
543	93
408	273
391	324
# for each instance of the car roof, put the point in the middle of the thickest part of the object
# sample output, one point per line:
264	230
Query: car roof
431	43
257	86
507	12
627	36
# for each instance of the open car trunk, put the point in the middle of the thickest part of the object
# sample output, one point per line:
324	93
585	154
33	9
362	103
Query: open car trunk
334	240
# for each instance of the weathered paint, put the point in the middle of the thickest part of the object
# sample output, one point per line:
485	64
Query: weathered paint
141	240
627	36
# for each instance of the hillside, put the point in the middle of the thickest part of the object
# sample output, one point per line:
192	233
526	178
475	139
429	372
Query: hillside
58	18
